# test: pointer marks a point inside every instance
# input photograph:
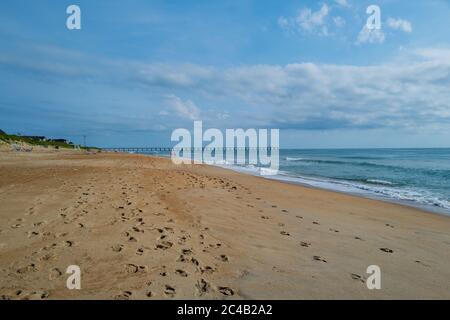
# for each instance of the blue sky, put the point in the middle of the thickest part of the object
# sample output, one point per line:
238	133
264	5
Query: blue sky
138	70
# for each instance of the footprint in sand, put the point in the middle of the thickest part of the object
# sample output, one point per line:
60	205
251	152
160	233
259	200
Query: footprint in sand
136	229
223	258
226	291
69	243
207	270
132	268
18	293
357	277
54	273
126	295
29	268
202	287
46	257
32	234
305	244
182	240
195	262
169	291
181	273
117	247
164	245
34	295
421	263
318	258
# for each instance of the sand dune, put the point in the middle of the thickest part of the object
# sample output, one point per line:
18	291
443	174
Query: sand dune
143	228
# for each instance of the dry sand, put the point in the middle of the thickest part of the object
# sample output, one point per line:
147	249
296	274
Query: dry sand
140	228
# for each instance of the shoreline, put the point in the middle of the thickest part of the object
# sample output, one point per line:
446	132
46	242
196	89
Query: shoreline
140	227
403	203
407	203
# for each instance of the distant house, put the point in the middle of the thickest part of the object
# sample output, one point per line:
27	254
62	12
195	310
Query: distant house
35	138
59	141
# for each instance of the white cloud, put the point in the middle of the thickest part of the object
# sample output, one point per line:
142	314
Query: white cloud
367	35
436	54
283	22
339	21
343	3
308	21
411	92
312	96
180	109
399	24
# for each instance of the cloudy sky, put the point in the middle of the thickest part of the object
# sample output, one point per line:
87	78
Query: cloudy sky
137	70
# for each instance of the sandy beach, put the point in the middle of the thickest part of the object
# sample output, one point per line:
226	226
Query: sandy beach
140	227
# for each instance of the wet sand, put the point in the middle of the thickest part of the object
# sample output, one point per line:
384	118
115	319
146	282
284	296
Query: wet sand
142	228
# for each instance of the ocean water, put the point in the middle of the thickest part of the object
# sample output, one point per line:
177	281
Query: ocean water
417	177
413	176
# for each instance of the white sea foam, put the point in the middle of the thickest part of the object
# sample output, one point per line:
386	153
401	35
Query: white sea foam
293	159
379	189
379	181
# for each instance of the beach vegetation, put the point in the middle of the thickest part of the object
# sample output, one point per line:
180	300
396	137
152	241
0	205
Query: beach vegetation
39	141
